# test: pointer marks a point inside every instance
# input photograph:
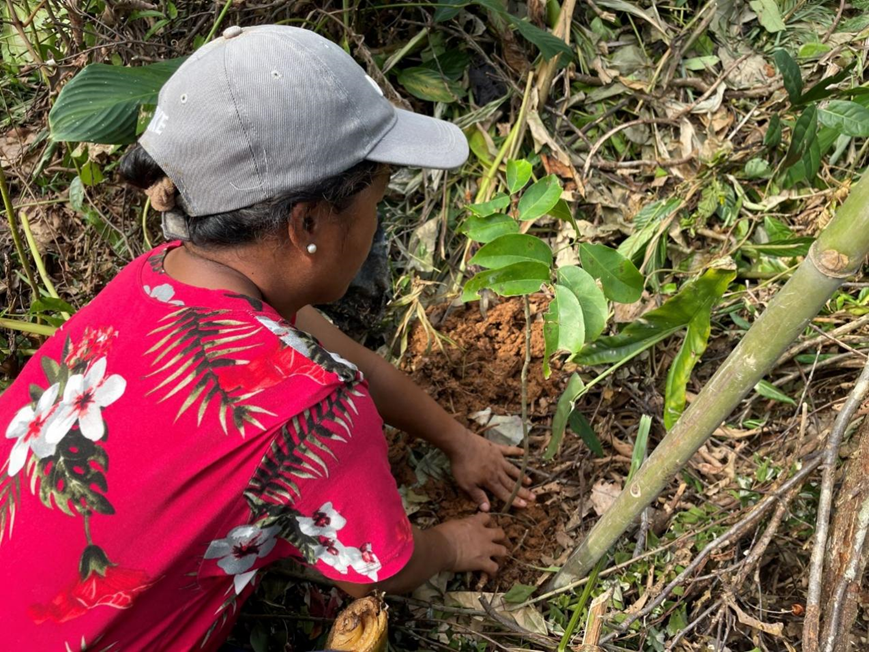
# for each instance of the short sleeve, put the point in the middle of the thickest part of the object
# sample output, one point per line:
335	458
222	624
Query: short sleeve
342	511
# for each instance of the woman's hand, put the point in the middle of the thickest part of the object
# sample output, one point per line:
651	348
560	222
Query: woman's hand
475	544
479	466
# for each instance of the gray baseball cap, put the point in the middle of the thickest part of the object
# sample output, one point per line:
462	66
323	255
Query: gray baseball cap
264	111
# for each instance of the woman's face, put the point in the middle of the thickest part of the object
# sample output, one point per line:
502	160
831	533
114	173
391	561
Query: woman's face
344	240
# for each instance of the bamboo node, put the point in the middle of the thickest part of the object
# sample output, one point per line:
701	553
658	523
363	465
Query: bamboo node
830	262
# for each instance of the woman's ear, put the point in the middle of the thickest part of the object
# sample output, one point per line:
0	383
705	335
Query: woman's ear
301	225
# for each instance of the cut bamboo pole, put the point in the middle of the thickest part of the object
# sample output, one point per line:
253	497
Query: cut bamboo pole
838	252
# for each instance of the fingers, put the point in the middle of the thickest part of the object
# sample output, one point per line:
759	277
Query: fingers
511	451
513	471
479	497
483	519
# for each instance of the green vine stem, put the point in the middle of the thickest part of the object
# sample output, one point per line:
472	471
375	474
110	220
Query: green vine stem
27	327
838	252
16	238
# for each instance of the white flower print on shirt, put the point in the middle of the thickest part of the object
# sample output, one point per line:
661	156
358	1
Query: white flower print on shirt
30	426
325	522
240	549
163	293
365	562
83	399
333	553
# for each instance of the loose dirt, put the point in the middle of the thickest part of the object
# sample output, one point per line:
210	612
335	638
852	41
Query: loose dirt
482	369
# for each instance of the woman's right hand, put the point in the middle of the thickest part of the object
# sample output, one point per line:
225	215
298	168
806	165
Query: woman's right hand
476	543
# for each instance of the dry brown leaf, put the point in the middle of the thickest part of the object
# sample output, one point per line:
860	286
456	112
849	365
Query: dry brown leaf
603	495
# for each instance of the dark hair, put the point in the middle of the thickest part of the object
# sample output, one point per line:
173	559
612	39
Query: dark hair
257	222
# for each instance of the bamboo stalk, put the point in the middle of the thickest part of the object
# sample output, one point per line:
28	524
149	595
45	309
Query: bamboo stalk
838	252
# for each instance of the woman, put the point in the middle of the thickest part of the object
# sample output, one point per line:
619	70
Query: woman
199	420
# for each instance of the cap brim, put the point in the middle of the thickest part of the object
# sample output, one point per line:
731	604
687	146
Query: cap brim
419	141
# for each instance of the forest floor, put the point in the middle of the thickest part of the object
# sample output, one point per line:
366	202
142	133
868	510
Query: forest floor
680	137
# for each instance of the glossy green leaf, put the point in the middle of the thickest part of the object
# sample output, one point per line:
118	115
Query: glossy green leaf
430	85
768	390
540	198
580	425
772	137
548	44
495	205
790	72
823	89
486	229
76	194
480	147
518	174
447	9
563	408
695	297
768	15
590	297
849	118
621	280
101	103
511	281
512	248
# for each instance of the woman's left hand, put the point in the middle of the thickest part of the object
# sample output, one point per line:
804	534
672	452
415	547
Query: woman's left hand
480	466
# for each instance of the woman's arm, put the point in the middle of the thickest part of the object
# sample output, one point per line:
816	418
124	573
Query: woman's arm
468	544
477	463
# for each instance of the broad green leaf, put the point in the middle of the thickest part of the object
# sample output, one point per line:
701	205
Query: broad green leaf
511	281
772	137
768	15
519	593
430	85
695	297
848	118
480	147
621	280
540	198
591	299
548	44
790	72
451	64
757	168
805	131
788	248
776	229
826	137
496	204
812	160
550	336
701	63
447	9
101	103
512	248
563	408
696	339
91	174
768	390
486	229
580	425
571	325
813	50
518	173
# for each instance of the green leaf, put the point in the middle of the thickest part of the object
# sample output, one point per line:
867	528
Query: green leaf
812	160
580	425
646	223
448	9
590	297
563	409
513	248
757	168
91	174
519	593
805	131
848	118
430	85
772	137
813	50
776	229
511	281
768	15
496	204
696	339
76	194
768	390
480	147
822	89
790	72
641	445
101	103
695	297
548	44
540	198
518	173
621	280
486	229
571	325
788	248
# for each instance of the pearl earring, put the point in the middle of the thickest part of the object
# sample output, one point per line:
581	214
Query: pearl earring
312	248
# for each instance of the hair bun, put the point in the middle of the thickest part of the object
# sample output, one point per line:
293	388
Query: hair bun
162	194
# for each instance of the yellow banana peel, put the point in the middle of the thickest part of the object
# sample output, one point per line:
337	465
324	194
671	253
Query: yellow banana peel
361	627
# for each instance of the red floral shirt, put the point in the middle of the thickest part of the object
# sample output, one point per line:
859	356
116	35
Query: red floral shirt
166	444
